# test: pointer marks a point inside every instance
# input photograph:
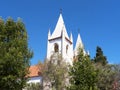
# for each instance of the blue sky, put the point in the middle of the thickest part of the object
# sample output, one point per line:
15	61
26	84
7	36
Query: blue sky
98	21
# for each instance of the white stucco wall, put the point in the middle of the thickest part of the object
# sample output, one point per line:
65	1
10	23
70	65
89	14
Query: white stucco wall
62	43
50	49
69	55
35	80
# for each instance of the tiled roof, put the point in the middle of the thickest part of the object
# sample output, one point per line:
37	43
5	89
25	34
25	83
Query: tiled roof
34	71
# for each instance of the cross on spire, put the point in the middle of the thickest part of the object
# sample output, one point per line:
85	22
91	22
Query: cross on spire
60	11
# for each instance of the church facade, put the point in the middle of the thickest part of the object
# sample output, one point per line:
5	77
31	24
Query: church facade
60	42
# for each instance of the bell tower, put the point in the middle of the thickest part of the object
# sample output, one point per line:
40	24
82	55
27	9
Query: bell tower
60	42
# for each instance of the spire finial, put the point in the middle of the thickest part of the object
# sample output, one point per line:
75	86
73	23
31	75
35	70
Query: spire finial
71	37
78	30
60	11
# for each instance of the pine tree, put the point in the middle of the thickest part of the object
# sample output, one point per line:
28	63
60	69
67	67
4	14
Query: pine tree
100	58
14	54
83	74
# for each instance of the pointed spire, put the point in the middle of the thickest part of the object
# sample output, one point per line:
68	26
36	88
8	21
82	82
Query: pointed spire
59	27
49	33
71	37
79	43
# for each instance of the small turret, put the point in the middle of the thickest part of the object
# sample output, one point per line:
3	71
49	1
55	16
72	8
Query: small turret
63	43
78	45
48	44
78	42
49	34
71	38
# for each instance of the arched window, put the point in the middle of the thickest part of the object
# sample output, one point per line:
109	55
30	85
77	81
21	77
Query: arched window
66	49
56	47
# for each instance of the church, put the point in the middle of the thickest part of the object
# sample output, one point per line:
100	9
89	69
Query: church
60	42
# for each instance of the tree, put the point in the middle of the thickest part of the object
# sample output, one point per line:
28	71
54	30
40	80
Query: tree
54	73
116	83
83	74
106	76
14	54
100	58
33	86
107	72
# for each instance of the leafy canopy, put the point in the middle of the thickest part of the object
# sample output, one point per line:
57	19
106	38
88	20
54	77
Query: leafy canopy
83	74
55	72
14	54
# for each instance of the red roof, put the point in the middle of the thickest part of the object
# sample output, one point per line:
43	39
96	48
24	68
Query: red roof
34	71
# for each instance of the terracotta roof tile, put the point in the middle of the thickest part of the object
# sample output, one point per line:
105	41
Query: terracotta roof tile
34	71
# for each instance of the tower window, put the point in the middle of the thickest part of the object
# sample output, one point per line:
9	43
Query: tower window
66	49
56	47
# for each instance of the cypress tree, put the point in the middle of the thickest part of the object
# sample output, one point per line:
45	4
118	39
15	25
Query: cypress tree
100	58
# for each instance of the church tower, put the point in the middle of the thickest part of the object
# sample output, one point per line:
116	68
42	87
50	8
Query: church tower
78	45
60	42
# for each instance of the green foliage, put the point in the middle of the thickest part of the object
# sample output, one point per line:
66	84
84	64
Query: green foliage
116	84
100	58
34	86
83	74
107	73
106	78
94	75
14	54
55	73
